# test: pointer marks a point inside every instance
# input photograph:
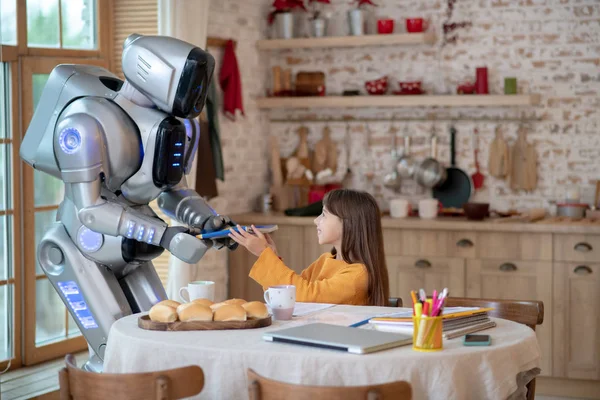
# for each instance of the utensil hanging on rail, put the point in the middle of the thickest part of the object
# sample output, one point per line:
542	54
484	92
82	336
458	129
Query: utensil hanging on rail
458	187
478	178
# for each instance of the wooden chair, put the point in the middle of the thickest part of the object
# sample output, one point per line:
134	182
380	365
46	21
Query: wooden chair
395	302
530	313
261	388
77	384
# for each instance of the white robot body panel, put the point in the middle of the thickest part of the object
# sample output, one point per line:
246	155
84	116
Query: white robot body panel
121	155
65	83
139	188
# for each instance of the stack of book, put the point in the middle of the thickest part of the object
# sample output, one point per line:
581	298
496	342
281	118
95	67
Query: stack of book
457	321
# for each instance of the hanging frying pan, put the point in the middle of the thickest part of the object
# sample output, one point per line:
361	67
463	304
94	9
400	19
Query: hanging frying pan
458	187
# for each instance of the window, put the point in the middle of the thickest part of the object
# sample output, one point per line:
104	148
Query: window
8	22
7	282
51	23
35	36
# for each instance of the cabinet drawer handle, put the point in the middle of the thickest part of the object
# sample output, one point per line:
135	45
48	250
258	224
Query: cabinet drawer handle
464	243
508	267
583	247
582	270
423	264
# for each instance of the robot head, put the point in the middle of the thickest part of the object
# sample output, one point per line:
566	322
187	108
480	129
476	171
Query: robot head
172	73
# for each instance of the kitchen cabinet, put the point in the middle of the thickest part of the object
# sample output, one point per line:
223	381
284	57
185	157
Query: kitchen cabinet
412	273
510	279
577	320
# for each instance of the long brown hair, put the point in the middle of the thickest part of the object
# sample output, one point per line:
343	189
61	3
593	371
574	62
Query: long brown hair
362	238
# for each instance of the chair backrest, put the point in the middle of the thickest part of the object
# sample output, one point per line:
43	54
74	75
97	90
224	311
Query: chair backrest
530	313
395	302
78	384
261	388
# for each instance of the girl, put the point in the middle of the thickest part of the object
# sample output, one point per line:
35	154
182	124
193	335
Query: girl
353	273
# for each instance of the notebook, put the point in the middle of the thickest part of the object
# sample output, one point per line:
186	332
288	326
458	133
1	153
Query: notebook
336	337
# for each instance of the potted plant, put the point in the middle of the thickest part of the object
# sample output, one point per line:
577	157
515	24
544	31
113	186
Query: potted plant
357	18
283	18
318	23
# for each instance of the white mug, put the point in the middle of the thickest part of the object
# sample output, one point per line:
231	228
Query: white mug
198	290
282	300
428	208
399	208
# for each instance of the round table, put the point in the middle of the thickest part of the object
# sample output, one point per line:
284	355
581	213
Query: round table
499	371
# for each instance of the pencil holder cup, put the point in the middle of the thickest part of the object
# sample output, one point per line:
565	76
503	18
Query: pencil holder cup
427	333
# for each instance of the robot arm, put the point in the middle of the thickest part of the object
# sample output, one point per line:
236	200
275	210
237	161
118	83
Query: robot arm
184	204
77	151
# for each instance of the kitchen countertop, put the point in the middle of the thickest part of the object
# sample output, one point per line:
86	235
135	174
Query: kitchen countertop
441	223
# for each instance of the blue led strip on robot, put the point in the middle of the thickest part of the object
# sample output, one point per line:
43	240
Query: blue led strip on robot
75	299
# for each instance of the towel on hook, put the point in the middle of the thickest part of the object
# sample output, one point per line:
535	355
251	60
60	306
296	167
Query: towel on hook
231	83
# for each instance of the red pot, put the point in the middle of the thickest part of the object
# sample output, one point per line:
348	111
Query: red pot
385	26
415	25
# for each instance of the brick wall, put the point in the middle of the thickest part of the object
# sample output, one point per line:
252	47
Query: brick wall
551	46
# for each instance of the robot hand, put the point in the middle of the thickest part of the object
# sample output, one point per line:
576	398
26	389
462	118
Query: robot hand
183	245
217	223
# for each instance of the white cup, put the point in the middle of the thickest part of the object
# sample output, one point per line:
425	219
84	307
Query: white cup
399	208
428	208
282	300
198	290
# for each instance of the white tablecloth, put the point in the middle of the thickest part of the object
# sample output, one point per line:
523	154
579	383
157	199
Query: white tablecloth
456	372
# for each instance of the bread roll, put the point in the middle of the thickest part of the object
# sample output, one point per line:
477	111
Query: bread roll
194	312
204	302
170	303
255	310
239	302
163	313
230	312
216	306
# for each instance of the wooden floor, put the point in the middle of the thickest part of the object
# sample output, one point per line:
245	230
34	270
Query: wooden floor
31	382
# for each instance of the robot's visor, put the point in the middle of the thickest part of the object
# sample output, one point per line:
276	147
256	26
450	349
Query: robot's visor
193	85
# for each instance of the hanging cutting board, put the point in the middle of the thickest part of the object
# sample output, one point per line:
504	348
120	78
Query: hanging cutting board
523	164
498	163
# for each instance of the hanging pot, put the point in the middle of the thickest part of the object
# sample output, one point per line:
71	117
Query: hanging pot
284	25
356	18
318	27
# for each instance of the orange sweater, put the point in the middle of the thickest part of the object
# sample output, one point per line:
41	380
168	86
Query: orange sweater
326	280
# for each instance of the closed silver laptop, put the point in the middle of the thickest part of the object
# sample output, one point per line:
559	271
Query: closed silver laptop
352	340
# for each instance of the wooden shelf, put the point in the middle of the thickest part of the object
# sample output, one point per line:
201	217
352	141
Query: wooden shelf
399	101
347	41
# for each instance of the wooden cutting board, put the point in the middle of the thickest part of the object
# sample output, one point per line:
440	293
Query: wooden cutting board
498	164
523	164
144	322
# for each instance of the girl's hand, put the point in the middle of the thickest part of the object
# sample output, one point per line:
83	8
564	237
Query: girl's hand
255	243
271	243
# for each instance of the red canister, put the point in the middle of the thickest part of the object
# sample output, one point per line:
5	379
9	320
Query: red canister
481	84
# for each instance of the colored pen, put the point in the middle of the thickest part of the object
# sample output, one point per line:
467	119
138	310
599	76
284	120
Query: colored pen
414	296
426	309
418	309
422	295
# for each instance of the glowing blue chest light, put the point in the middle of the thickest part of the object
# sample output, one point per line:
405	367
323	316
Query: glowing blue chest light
69	140
75	299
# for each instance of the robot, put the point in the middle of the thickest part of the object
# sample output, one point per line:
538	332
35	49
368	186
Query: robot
118	146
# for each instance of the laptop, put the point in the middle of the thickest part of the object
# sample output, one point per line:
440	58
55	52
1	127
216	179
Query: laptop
336	337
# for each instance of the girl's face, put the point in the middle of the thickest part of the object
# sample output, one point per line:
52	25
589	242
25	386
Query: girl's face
329	228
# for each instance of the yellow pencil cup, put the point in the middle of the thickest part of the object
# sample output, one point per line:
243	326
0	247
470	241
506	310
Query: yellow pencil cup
427	333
